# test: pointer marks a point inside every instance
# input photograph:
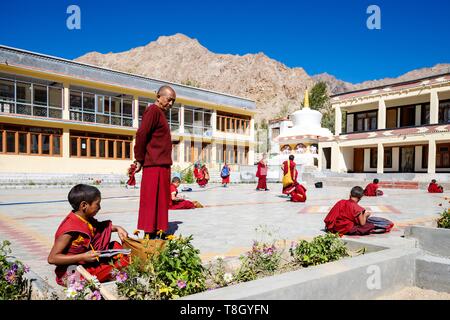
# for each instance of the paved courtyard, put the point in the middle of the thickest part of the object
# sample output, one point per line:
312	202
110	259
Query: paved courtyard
225	227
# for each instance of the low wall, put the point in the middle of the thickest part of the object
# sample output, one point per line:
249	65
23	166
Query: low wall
363	277
435	241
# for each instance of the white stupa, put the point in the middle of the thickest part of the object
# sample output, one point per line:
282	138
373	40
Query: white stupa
302	138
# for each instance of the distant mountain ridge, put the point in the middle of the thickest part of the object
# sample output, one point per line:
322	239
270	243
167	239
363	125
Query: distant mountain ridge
273	85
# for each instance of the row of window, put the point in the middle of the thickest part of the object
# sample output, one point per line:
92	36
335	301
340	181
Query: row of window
233	125
195	151
30	141
396	117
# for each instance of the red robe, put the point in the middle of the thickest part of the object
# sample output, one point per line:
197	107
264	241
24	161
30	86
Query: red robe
153	149
131	174
299	194
176	205
435	188
294	175
201	177
95	233
226	180
343	219
371	190
261	173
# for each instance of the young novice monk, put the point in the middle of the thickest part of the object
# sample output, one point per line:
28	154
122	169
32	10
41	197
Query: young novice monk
348	217
433	187
298	194
179	202
371	189
80	236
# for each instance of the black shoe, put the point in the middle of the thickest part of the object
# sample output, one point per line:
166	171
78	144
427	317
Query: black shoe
267	189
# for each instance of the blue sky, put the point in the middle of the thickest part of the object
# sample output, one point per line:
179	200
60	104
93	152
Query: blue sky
320	36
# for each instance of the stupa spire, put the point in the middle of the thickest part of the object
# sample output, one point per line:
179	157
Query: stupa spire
306	100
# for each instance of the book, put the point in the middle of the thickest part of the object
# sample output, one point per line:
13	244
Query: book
113	252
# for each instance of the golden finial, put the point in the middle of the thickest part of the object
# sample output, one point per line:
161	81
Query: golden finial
306	100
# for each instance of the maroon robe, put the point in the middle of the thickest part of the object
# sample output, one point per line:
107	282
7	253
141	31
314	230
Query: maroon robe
371	190
182	204
294	175
261	173
343	219
435	188
153	149
131	174
87	233
201	177
298	194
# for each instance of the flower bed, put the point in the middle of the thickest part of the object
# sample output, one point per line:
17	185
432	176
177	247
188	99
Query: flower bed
13	284
177	270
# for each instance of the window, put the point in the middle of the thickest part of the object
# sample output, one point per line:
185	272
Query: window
75	100
197	121
55	97
89	102
40	95
98	145
442	155
30	140
425	114
444	111
366	121
408	116
23	92
387	157
6	90
227	122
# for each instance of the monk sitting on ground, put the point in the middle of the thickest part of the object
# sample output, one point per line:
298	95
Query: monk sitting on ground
177	202
433	187
79	232
371	189
348	217
297	192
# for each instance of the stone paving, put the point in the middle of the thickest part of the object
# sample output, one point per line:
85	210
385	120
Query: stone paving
225	227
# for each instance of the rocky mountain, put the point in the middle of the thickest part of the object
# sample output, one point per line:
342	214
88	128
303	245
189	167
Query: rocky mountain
274	86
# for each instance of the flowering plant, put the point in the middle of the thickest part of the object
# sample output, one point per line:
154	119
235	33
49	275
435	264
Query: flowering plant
262	260
82	289
444	220
175	272
13	284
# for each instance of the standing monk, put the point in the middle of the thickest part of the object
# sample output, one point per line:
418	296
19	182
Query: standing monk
261	173
131	176
153	152
294	174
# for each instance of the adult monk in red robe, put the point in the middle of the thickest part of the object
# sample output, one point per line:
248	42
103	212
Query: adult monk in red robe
433	187
298	194
371	189
261	173
177	202
80	232
348	217
294	173
131	176
153	152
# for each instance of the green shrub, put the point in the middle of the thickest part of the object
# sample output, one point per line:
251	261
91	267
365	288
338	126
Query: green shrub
13	284
321	249
175	272
188	176
262	260
444	220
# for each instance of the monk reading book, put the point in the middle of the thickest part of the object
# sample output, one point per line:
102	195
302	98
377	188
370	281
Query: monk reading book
81	239
433	187
371	189
348	217
177	202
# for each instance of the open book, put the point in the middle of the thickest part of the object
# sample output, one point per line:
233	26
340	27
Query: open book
113	252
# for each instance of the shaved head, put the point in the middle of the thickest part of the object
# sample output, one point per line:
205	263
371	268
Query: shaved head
166	90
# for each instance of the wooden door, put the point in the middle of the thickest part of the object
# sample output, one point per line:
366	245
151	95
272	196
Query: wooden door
358	160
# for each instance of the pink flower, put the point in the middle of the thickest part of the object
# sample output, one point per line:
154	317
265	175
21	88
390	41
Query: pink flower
95	295
26	268
121	277
181	284
11	276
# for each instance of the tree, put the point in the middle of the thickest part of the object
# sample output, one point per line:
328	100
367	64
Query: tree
320	101
318	97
